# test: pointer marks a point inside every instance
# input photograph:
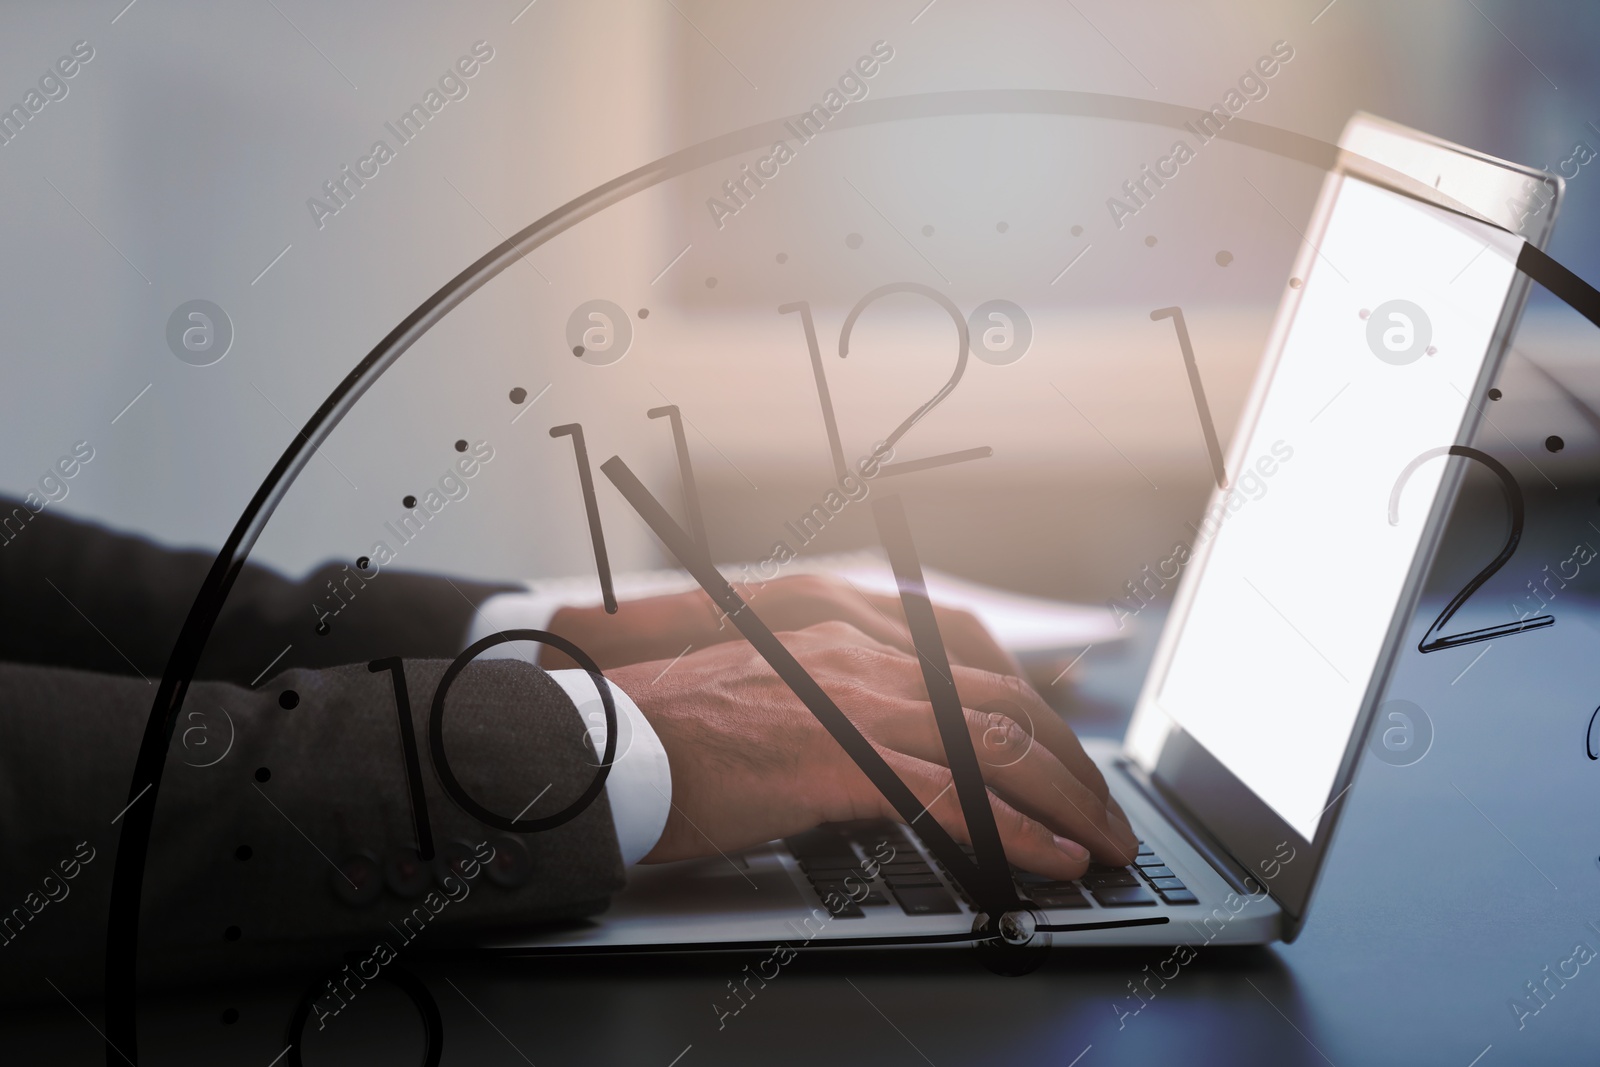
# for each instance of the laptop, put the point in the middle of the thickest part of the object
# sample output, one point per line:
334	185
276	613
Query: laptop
1294	604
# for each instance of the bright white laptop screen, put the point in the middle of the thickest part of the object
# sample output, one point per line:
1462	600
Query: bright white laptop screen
1302	571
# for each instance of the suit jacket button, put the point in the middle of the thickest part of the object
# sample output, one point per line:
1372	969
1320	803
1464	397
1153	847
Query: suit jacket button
358	880
454	860
511	866
406	873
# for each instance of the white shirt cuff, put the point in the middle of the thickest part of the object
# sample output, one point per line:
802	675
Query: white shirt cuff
639	786
514	611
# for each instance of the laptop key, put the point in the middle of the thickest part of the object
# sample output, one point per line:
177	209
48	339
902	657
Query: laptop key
853	890
1123	896
1166	884
1150	860
1058	898
1109	880
925	900
1043	886
1146	850
914	881
821	841
1157	872
842	907
1179	896
905	867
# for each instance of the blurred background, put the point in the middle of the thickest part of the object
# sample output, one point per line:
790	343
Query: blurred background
181	163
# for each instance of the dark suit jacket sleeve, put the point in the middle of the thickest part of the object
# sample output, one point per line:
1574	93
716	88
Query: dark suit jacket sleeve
301	784
80	595
334	788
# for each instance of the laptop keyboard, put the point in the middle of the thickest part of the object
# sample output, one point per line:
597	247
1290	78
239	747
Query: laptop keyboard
864	866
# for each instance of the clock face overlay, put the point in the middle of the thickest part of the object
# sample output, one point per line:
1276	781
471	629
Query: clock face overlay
737	370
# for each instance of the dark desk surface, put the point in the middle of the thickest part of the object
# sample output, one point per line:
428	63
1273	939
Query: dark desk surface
1452	883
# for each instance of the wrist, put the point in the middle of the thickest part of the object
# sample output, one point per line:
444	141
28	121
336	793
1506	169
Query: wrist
702	620
578	626
654	628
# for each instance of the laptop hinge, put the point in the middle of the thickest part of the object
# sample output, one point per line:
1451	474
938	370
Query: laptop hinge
1197	838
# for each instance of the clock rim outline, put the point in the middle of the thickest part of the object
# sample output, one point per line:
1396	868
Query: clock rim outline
121	956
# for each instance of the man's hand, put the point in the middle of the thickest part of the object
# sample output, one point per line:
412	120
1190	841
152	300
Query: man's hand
662	627
751	763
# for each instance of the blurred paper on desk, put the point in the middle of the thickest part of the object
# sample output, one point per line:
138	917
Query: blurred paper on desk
1031	628
1025	626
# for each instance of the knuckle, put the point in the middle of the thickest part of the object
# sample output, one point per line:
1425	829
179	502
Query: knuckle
999	732
851	695
1020	690
838	631
855	651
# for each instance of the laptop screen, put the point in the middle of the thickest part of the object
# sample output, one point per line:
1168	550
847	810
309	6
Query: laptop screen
1302	571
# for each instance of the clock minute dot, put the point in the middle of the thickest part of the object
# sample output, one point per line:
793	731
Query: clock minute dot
600	332
852	240
263	775
408	502
232	933
783	257
1224	257
461	445
288	700
243	852
1495	394
644	313
518	395
927	231
230	1016
1554	443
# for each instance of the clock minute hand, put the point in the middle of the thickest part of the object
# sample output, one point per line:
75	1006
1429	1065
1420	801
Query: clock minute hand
698	563
894	530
